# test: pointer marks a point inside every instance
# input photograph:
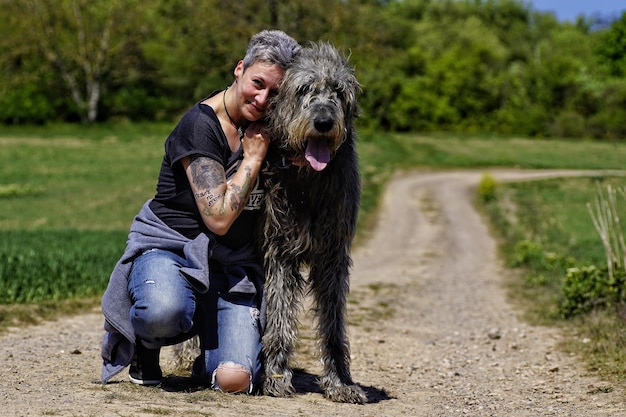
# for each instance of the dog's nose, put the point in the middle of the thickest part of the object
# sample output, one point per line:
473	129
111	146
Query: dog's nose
323	124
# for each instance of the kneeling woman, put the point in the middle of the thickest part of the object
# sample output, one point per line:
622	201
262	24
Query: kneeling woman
191	264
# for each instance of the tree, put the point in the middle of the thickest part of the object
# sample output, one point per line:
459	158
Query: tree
612	48
453	70
80	39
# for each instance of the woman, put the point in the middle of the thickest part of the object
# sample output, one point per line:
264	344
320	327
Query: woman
191	264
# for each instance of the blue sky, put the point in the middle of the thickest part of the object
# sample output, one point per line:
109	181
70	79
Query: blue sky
570	9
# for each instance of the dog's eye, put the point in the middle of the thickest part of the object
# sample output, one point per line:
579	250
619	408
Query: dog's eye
302	89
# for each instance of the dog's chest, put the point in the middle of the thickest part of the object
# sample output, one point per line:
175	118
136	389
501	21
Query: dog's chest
300	196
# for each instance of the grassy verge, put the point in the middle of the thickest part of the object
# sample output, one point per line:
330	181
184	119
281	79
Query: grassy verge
545	230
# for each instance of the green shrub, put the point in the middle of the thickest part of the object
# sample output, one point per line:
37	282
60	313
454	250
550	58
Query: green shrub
25	104
568	124
527	253
487	188
588	287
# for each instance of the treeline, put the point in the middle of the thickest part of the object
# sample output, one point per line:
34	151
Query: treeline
426	65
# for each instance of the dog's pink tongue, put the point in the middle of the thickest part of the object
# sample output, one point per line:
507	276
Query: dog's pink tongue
317	154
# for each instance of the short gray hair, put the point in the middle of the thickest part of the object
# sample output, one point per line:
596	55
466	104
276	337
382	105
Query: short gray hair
271	46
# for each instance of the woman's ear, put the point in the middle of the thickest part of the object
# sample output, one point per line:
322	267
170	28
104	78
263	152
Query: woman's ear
238	72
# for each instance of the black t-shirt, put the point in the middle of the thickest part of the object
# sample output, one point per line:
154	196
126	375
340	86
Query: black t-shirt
199	133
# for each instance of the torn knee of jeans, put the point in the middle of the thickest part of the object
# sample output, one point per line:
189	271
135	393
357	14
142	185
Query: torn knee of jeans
233	378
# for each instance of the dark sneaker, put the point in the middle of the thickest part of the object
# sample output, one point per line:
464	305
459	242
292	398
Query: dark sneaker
144	368
198	371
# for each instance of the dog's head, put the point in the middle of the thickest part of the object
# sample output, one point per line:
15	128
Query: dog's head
313	112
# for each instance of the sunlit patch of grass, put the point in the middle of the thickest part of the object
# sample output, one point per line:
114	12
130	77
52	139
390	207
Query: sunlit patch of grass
18	190
19	315
603	389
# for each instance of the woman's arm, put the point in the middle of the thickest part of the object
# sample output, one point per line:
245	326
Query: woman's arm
220	202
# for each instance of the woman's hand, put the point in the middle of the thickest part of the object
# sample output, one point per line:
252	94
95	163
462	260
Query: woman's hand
255	141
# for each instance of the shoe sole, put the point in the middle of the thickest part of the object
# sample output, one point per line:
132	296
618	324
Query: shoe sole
147	382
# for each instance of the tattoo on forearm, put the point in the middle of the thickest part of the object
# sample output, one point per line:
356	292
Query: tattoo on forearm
235	201
208	175
240	194
200	195
210	198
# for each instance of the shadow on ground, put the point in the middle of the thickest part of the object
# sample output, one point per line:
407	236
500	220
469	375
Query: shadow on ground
303	382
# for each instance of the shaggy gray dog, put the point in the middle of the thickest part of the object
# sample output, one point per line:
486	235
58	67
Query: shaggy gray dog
311	205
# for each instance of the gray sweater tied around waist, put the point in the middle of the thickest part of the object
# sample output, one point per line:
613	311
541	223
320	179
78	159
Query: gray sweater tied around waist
147	231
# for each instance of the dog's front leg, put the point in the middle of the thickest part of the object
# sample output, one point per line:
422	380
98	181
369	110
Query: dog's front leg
283	290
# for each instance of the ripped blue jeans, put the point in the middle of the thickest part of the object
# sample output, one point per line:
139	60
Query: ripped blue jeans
166	310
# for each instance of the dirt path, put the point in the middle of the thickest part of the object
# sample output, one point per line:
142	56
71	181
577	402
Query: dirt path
432	335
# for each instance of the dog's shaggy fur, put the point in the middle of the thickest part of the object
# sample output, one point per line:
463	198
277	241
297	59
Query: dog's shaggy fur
311	205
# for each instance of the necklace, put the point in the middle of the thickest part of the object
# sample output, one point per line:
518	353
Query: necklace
226	108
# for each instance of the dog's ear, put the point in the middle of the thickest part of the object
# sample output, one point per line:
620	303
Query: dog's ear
352	91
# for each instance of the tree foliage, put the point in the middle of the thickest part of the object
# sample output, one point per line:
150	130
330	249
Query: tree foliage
459	65
79	42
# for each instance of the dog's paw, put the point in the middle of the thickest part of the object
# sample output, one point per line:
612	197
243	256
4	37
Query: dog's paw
346	394
278	386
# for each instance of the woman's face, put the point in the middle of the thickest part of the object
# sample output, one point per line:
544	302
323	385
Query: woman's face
256	85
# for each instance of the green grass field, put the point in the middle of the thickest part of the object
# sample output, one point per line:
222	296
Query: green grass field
68	194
